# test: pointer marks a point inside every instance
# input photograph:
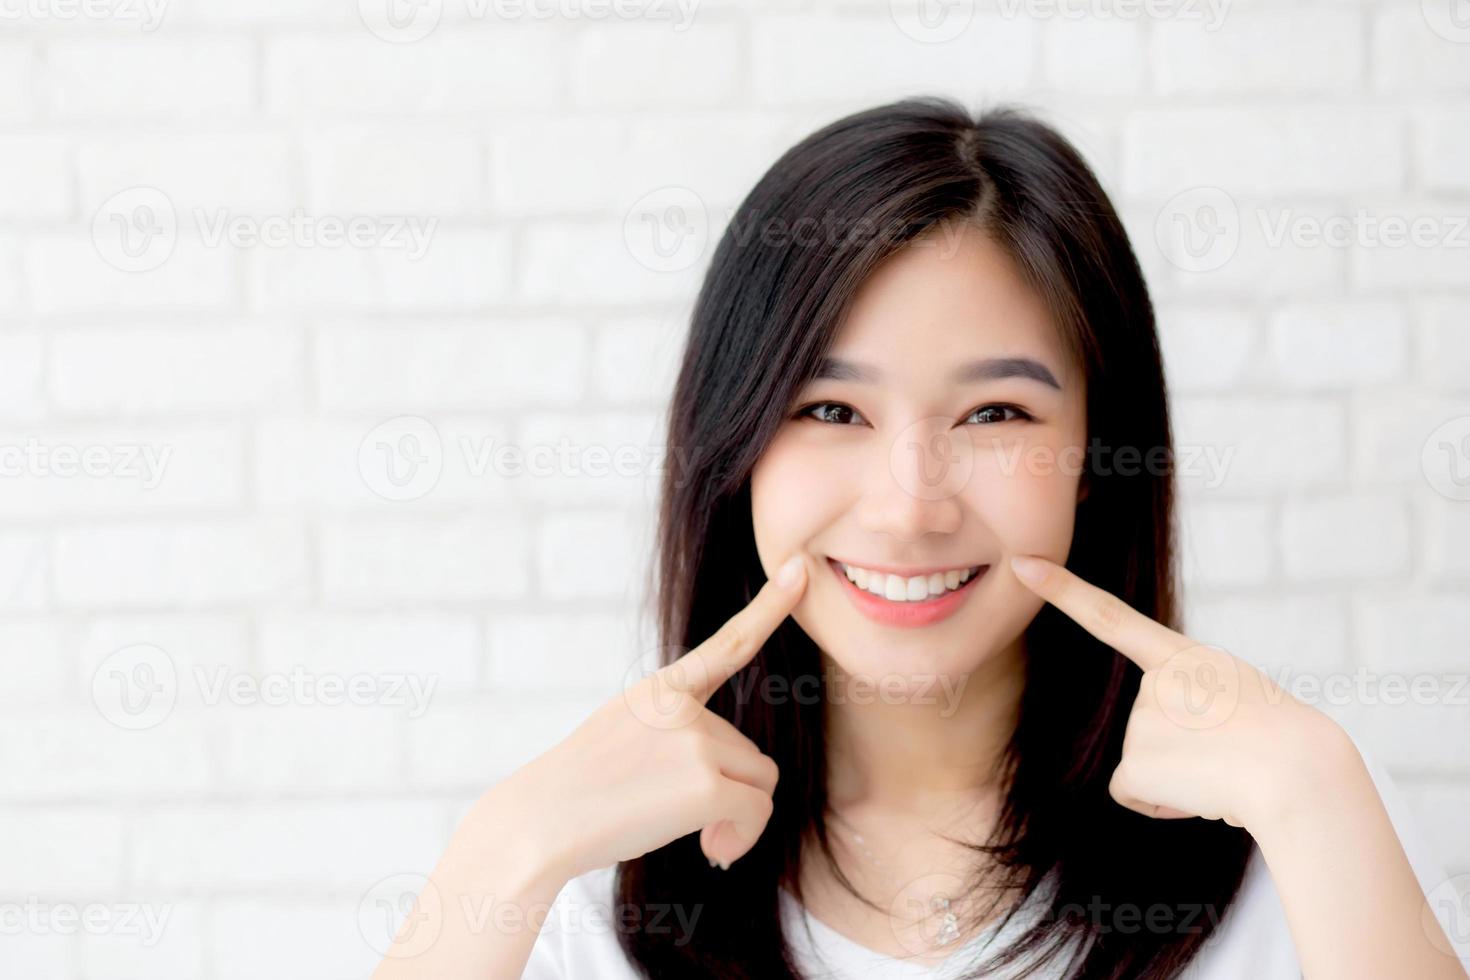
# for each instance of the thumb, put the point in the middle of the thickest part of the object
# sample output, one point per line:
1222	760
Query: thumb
1169	813
723	844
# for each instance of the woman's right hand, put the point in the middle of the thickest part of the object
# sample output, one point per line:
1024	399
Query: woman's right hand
653	763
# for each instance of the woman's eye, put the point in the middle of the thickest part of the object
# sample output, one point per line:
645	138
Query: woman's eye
836	413
832	413
990	414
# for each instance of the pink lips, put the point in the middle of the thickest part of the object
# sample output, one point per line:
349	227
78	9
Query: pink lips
906	614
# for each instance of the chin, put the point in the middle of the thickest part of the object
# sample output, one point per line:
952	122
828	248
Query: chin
900	660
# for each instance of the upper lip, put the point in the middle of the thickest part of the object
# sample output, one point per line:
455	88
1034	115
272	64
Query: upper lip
907	571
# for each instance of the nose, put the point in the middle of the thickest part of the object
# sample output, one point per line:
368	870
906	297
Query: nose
915	487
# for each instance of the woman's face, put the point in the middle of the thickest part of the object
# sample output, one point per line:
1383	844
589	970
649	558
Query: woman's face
899	462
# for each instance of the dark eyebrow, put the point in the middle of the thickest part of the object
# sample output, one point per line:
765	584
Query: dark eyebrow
988	369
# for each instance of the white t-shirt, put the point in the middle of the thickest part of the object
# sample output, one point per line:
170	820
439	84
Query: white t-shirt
578	940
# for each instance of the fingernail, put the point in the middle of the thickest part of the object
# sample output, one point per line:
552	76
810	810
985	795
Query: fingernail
1028	569
724	865
713	862
790	572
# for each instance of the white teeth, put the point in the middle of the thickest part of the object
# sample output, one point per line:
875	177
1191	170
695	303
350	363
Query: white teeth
897	588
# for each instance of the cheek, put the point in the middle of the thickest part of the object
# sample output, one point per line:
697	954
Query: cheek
1030	502
792	497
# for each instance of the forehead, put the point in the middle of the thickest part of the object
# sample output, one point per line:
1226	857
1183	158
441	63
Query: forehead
951	294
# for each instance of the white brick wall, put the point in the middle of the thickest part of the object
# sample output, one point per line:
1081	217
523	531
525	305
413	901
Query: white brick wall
289	551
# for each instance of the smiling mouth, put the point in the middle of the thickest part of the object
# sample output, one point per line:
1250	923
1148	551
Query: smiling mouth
915	589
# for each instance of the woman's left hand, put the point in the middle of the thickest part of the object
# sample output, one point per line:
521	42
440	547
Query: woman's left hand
1209	735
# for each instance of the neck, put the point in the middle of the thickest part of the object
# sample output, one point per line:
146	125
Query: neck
926	753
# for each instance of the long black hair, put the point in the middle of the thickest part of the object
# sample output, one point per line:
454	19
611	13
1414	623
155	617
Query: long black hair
770	305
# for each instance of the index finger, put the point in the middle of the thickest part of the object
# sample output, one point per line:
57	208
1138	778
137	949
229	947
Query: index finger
701	671
1143	640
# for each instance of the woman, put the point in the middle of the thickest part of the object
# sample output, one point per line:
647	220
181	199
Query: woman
957	730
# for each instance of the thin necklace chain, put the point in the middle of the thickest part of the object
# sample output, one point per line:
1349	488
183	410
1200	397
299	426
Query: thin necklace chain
949	927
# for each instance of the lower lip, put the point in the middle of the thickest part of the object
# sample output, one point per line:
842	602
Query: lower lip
906	614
